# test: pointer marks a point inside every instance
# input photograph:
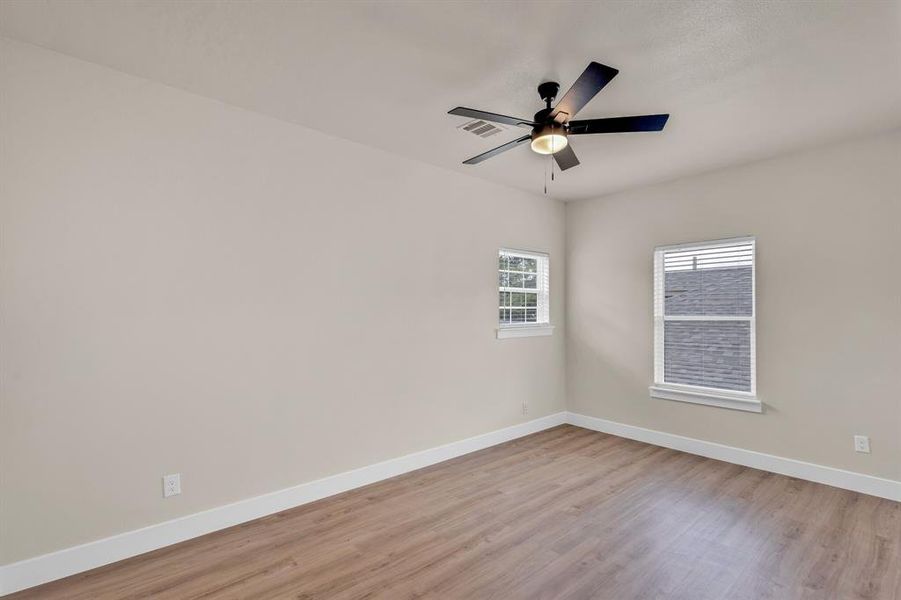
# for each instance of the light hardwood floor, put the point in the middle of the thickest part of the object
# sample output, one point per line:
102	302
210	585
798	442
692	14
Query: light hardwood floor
565	513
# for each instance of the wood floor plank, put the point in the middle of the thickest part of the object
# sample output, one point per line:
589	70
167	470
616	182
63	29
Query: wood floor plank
565	513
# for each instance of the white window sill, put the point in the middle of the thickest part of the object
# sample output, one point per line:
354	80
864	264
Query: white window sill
518	331
722	399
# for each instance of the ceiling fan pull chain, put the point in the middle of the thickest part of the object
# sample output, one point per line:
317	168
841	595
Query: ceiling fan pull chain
545	179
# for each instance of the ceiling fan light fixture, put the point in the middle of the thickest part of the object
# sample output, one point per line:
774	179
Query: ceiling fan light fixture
549	139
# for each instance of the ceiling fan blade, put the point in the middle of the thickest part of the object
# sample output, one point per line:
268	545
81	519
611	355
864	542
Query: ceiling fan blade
472	113
618	124
589	83
566	158
495	151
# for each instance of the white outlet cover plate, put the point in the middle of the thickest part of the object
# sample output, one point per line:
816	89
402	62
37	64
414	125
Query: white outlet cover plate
171	485
861	443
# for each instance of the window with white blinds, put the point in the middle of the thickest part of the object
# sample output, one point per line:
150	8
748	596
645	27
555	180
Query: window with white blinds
523	288
704	323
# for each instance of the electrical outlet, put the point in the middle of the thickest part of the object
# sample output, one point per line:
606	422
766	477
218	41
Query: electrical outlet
525	407
171	485
862	444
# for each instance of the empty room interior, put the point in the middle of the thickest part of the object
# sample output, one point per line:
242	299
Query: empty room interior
452	300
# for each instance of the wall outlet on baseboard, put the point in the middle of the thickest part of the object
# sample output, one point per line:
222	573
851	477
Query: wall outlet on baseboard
525	407
171	485
862	444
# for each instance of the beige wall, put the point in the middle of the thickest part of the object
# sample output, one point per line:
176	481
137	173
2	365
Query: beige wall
828	227
190	287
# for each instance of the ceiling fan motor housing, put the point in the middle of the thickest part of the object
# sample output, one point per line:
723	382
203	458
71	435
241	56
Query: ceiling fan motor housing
543	116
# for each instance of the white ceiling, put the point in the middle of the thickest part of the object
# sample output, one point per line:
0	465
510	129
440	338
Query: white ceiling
742	80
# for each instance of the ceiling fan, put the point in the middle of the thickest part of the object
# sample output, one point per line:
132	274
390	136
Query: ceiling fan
551	127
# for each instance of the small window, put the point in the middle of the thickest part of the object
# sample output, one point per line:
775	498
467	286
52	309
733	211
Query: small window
704	324
523	288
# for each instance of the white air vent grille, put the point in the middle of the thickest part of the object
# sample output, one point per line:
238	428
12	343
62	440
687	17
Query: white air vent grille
481	128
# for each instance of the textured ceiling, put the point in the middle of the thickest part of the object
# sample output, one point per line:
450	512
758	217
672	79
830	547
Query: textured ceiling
742	80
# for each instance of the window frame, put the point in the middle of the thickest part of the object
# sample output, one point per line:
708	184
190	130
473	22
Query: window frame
543	325
738	400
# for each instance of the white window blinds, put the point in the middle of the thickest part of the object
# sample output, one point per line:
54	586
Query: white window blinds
704	316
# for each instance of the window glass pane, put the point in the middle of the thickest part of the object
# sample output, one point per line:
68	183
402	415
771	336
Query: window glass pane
530	265
521	292
714	354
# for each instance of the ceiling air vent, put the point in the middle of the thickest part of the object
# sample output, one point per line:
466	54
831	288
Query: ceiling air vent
481	128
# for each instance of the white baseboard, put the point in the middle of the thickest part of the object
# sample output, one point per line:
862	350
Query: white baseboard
56	565
858	482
